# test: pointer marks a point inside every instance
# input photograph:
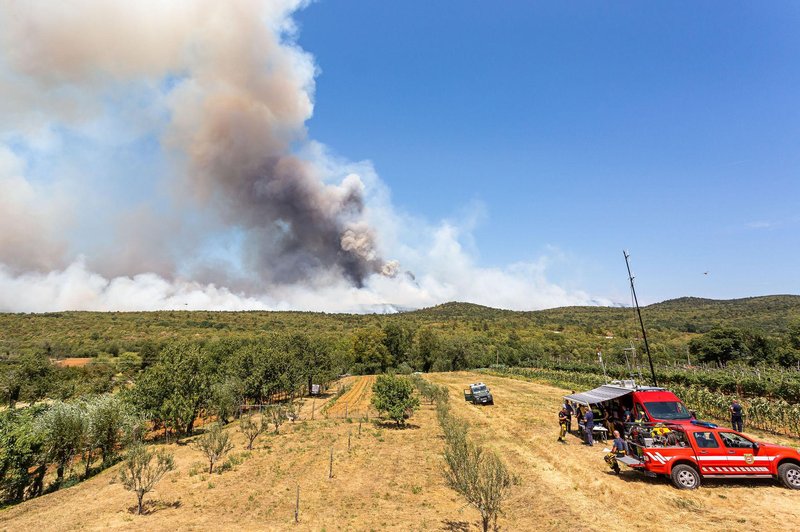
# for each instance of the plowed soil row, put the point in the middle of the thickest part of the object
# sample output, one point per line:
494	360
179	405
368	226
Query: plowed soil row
355	401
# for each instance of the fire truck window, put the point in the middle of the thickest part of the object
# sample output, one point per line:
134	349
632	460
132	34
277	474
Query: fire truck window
705	440
729	439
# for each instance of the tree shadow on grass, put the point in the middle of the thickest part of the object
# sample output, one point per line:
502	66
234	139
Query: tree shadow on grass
455	526
391	425
151	506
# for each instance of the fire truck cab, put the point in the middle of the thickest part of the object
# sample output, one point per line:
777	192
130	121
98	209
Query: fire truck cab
689	452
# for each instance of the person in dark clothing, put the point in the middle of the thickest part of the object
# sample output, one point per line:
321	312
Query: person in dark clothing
570	411
588	423
619	449
736	416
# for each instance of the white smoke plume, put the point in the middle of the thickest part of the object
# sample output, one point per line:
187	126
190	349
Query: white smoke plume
226	92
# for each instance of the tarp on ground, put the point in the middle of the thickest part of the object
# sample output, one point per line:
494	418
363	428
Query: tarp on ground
598	395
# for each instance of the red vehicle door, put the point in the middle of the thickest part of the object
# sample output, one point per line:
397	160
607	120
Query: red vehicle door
710	454
741	455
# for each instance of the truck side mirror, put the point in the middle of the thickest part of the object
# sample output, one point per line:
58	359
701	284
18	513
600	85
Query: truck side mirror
693	414
755	447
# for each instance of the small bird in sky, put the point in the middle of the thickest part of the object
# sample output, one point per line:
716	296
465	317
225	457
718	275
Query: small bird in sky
705	273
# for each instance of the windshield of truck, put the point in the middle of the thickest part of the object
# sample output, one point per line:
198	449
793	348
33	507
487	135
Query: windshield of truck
479	389
668	410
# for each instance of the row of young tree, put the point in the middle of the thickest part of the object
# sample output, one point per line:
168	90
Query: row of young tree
188	381
35	439
474	471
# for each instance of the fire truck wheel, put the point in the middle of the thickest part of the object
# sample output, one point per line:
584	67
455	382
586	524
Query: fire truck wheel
685	477
790	475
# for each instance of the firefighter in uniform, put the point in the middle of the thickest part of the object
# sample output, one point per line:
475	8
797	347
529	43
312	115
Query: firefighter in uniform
563	415
618	450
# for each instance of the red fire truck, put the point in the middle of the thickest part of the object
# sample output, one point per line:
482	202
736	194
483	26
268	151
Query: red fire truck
689	452
646	402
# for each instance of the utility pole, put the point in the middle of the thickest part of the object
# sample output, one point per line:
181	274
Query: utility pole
602	364
641	322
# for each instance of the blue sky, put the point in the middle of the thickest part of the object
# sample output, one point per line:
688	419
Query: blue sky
670	129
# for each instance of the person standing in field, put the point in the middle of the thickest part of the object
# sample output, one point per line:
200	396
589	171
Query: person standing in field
562	423
736	416
579	419
588	423
570	411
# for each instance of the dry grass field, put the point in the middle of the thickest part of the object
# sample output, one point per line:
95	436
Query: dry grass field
391	479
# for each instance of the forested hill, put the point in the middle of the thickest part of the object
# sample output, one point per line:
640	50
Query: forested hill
685	314
576	331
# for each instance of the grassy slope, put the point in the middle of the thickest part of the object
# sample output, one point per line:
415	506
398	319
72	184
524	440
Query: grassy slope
392	480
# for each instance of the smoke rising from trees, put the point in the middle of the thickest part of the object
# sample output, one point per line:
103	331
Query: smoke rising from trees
239	94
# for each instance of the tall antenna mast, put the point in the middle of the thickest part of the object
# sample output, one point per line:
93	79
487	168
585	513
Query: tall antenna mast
639	313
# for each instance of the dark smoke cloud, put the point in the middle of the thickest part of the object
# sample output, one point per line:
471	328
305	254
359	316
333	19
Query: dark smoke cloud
240	92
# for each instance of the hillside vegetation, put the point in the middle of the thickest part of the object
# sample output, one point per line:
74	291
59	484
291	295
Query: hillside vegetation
480	335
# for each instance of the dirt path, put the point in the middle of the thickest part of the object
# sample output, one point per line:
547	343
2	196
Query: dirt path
569	487
355	402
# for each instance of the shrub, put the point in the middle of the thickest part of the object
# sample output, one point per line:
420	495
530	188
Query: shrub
215	444
277	415
251	428
475	473
394	396
63	429
140	472
108	424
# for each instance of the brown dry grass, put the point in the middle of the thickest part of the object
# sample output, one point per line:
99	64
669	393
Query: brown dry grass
569	487
392	479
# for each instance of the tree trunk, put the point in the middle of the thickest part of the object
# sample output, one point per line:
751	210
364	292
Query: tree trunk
139	496
38	480
485	520
88	465
60	473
